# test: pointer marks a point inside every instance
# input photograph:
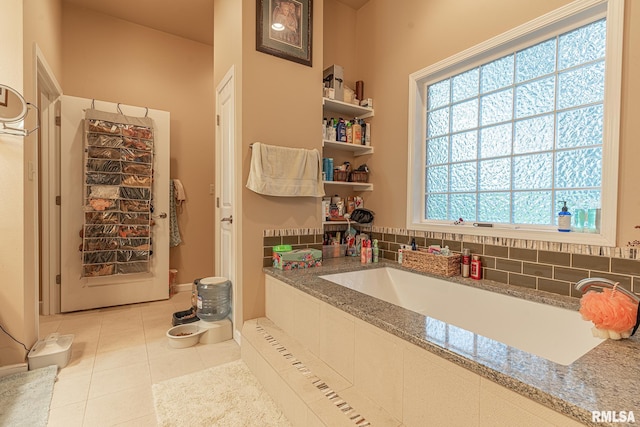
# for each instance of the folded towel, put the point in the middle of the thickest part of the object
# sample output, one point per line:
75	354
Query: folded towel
283	171
174	230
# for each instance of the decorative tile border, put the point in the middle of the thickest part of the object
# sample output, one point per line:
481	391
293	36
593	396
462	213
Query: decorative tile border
330	394
547	266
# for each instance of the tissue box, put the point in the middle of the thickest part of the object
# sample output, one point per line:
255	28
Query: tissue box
294	259
55	349
333	77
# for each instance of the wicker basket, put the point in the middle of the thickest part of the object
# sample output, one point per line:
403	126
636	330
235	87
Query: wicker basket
359	176
441	265
340	175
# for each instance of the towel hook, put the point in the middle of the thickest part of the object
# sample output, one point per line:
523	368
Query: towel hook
119	110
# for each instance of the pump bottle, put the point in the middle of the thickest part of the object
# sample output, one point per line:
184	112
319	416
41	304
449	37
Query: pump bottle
564	219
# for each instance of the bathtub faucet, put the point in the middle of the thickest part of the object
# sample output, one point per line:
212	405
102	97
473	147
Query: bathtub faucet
584	284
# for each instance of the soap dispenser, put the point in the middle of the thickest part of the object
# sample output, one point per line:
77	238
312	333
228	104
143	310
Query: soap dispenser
564	218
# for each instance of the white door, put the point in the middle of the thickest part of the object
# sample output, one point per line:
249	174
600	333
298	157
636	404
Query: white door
81	293
226	218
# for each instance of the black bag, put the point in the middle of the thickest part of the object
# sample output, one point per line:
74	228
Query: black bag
362	216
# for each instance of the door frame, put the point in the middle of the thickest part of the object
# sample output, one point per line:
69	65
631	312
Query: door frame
48	91
236	267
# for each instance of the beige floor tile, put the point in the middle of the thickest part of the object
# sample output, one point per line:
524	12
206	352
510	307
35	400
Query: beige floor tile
147	421
119	358
120	340
67	416
177	362
119	379
218	353
70	390
48	327
119	407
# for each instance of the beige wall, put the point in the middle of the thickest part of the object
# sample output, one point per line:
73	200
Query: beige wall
114	60
281	105
393	42
12	293
27	22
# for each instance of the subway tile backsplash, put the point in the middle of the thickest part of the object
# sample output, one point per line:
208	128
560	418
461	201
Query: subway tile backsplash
546	266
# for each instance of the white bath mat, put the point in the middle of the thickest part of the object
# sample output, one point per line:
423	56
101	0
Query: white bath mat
25	397
228	395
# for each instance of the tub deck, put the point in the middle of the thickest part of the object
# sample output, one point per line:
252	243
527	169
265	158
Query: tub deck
603	379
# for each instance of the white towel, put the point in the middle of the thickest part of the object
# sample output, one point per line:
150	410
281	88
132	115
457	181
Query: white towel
283	171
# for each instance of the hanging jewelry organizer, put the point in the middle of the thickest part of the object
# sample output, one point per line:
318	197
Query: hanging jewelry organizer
118	177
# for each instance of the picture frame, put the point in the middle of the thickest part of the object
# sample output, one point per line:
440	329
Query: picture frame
284	29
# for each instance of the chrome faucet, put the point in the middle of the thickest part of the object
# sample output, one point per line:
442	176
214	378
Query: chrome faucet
584	284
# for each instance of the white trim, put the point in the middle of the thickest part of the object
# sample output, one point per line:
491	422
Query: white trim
574	14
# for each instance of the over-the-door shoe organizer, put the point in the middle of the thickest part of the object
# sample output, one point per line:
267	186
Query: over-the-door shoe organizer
116	236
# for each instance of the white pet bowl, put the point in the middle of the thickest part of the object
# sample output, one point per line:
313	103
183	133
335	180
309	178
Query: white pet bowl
183	336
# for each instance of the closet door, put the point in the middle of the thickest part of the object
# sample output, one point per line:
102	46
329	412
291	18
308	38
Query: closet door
79	292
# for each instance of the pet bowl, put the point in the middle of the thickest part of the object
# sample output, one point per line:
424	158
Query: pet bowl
183	336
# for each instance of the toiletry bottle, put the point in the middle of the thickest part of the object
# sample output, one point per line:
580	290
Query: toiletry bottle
357	132
367	135
476	268
400	249
331	130
564	218
341	131
466	262
414	247
363	252
376	250
369	252
324	128
349	131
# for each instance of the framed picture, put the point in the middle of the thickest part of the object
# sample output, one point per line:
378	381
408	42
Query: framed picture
3	97
283	29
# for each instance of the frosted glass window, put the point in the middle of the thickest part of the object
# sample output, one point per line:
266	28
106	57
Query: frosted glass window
497	74
439	94
464	146
463	205
580	127
464	116
497	107
534	135
438	151
494	207
465	85
583	45
496	141
536	61
511	137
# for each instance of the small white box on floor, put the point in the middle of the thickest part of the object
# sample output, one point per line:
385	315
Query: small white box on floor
55	349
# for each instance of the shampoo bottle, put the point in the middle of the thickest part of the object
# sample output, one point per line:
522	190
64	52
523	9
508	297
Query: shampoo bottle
341	131
476	268
466	262
564	219
357	132
376	250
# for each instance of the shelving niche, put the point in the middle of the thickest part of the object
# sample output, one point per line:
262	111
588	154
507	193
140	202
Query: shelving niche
347	111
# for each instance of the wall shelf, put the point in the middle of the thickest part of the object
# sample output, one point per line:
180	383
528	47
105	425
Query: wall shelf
348	109
358	150
356	186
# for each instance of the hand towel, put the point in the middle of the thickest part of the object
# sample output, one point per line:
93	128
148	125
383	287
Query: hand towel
174	231
283	171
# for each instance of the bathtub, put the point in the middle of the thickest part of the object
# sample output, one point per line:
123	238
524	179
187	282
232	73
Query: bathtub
556	334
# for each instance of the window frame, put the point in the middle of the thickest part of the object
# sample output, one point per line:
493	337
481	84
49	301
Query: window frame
566	18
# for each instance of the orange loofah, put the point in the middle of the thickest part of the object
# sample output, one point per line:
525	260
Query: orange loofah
609	310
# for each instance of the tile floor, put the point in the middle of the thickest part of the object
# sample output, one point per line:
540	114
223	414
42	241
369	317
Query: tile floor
117	354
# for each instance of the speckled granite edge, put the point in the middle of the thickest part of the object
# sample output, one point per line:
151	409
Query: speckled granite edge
604	379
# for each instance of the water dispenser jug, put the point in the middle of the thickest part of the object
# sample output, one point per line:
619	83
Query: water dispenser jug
214	298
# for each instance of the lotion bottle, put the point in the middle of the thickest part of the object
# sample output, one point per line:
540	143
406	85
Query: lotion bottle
466	262
564	219
476	268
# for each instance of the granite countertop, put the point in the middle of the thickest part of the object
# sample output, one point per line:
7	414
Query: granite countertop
607	378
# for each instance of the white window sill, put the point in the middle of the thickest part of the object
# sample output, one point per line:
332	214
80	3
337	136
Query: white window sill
513	232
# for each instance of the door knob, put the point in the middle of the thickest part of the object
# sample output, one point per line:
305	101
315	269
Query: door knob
228	219
162	215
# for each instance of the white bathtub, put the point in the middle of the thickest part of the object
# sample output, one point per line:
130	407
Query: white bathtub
557	334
